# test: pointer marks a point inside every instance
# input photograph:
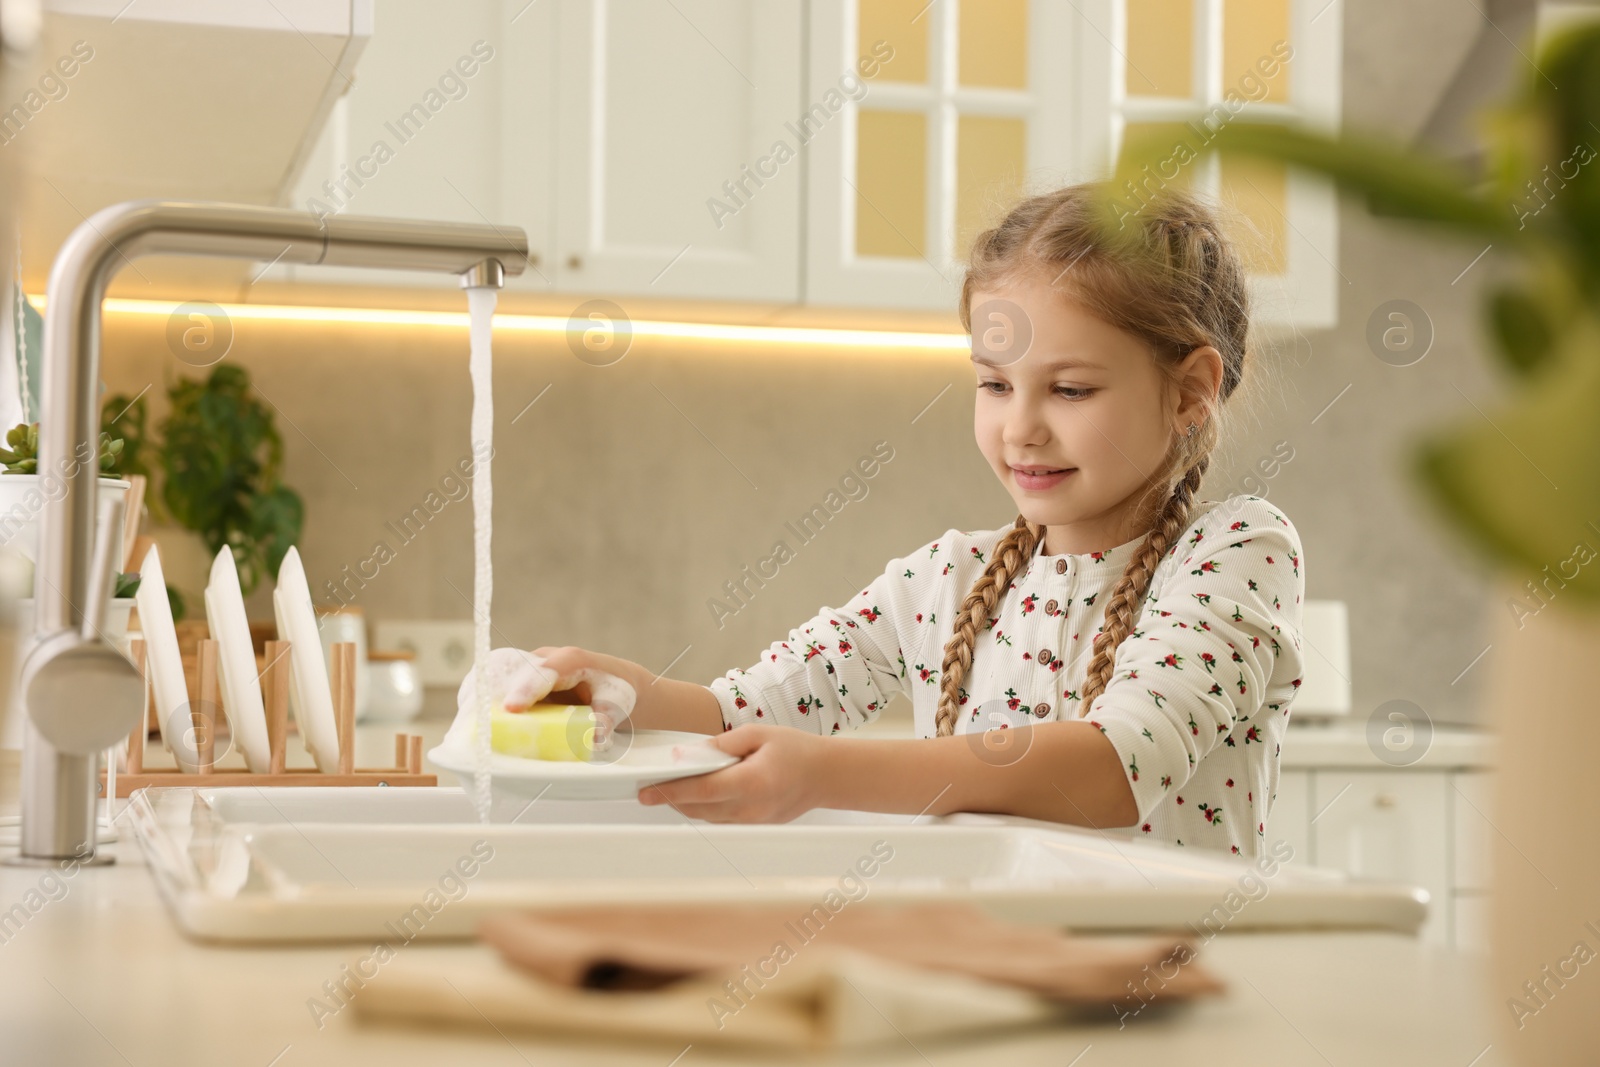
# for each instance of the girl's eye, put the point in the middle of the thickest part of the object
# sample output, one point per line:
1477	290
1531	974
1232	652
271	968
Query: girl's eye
1080	393
992	392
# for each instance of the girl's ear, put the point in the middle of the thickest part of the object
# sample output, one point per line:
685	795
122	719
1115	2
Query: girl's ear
1199	381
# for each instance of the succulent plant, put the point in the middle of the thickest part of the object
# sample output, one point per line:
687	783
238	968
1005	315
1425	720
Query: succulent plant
22	454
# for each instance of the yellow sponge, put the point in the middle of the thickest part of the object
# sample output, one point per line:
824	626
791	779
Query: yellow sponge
543	731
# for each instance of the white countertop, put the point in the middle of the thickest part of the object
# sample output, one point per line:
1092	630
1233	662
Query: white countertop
102	975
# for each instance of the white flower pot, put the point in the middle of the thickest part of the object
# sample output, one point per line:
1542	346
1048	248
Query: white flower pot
22	500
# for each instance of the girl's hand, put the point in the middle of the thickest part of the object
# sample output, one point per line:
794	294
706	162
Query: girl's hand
778	778
577	668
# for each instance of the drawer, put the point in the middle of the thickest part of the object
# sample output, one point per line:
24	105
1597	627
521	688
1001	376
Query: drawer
1289	818
1391	826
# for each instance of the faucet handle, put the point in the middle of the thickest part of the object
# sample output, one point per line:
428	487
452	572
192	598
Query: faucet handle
102	575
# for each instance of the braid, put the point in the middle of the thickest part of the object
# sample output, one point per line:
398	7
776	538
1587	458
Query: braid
1127	596
1009	555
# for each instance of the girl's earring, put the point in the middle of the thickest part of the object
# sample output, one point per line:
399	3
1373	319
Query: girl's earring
1192	429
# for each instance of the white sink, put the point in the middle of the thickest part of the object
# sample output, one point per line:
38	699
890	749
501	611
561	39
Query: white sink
351	864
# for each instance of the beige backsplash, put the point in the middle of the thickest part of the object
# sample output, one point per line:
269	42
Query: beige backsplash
627	495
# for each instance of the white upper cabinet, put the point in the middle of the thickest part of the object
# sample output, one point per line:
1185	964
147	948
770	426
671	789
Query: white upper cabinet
677	165
830	152
1201	64
985	99
446	119
960	105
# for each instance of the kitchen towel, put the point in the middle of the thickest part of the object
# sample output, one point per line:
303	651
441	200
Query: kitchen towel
778	976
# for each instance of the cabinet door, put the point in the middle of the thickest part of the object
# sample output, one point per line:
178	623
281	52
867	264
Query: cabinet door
1289	818
677	173
1391	826
447	118
968	104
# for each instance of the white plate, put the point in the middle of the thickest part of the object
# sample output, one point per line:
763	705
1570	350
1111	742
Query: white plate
652	756
311	699
165	664
236	656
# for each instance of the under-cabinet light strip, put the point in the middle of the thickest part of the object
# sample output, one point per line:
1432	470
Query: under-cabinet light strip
555	324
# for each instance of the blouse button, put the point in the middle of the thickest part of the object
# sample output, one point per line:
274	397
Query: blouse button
1041	710
1061	566
1045	655
1050	607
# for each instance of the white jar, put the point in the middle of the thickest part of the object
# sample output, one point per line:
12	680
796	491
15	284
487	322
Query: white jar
396	694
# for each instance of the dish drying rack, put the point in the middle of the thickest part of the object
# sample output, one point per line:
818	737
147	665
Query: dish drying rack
274	680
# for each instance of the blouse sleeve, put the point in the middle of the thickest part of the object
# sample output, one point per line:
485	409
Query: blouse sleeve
837	671
1210	641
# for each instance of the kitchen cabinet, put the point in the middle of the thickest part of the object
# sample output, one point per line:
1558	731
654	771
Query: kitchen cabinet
981	103
171	99
1343	809
830	152
444	120
678	169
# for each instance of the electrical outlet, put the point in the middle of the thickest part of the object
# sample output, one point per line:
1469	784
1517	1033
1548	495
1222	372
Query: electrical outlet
443	647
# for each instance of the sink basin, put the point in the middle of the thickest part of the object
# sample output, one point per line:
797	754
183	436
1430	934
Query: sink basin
358	864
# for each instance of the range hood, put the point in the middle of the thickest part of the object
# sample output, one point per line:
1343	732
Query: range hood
178	99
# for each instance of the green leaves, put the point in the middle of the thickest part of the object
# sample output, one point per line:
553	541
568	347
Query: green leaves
1522	481
22	457
21	454
221	454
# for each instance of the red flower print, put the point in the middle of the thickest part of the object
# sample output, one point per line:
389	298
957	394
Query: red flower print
1229	783
870	614
1145	827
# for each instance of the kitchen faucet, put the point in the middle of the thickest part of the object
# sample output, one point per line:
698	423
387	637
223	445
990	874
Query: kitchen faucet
79	694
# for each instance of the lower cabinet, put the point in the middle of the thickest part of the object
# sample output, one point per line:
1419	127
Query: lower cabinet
1422	827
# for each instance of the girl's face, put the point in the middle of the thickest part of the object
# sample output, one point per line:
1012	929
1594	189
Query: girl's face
1061	390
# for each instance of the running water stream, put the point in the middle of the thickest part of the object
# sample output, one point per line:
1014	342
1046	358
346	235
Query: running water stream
480	306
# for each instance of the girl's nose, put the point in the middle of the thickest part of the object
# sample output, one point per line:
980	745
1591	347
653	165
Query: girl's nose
1025	423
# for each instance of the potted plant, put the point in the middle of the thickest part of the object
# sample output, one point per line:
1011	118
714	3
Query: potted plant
220	458
25	489
1521	487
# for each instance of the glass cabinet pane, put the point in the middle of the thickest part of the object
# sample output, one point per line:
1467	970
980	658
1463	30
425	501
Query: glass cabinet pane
992	46
1259	190
1250	31
1160	48
891	21
991	160
891	183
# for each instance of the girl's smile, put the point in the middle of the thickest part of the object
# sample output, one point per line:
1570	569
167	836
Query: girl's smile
1039	478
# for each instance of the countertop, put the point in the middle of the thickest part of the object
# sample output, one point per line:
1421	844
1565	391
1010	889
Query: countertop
102	975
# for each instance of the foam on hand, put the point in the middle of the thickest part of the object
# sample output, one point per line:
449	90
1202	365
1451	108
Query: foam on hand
522	723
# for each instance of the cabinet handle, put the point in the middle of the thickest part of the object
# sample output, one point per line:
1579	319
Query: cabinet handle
574	262
1385	800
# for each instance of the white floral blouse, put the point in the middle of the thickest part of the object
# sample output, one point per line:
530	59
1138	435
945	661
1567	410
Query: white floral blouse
1197	704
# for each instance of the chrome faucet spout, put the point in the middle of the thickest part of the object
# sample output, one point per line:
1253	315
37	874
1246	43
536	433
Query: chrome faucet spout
67	675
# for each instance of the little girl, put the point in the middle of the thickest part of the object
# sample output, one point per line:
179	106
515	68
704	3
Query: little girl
1141	648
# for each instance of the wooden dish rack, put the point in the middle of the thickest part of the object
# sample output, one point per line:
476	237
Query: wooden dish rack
274	680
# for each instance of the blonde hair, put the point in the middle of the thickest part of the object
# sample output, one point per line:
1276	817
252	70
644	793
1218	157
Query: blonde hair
1166	274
